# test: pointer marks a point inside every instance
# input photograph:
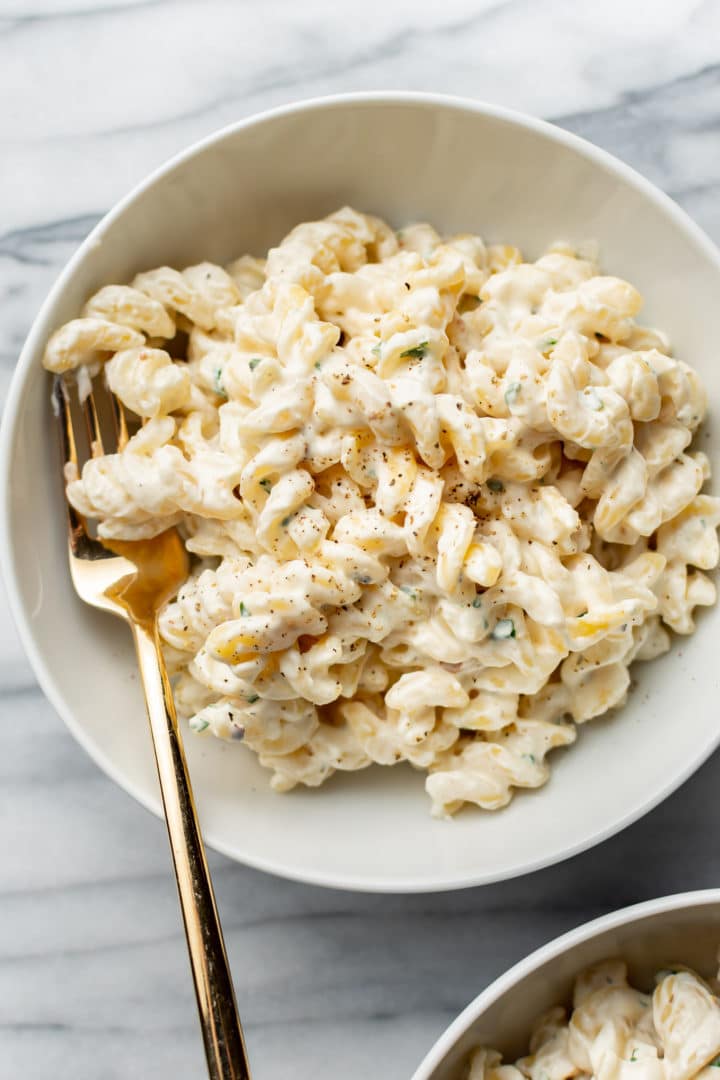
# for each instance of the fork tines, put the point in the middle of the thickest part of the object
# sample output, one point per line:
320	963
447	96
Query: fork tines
63	408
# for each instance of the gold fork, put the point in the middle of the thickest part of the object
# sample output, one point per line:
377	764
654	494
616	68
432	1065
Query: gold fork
133	579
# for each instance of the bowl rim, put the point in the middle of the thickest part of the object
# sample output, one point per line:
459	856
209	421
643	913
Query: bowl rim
558	946
8	428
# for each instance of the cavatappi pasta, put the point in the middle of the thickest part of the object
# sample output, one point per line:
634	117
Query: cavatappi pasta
617	1032
439	498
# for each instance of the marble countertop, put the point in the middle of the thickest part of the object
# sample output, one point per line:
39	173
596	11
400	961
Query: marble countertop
93	973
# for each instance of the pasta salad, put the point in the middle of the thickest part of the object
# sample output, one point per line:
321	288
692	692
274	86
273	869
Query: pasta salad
438	498
617	1032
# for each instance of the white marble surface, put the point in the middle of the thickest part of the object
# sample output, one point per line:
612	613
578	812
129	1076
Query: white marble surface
93	979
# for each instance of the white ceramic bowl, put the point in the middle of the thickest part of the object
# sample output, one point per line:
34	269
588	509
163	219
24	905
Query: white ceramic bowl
463	166
683	929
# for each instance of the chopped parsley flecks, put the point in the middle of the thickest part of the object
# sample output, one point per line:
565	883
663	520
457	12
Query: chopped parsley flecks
496	485
266	484
477	602
531	758
198	724
408	591
252	364
715	1063
286	521
318	365
503	629
634	1055
593	399
218	383
377	350
512	394
243	610
363	579
582	614
417	352
547	343
253	698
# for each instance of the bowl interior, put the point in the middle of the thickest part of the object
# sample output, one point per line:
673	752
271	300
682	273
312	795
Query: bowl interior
463	169
649	941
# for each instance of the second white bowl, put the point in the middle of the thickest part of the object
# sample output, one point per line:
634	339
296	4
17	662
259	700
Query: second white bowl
682	929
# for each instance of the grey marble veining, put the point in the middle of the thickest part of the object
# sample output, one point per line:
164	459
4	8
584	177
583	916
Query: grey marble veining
93	974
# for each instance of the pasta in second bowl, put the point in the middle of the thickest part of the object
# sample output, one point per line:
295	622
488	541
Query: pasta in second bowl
438	496
669	1029
244	190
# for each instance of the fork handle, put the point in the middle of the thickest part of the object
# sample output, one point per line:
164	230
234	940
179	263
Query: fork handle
222	1033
